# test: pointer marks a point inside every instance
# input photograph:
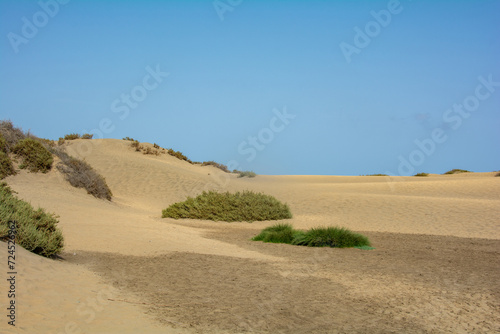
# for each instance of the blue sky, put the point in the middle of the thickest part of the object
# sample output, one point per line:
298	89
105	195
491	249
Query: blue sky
278	87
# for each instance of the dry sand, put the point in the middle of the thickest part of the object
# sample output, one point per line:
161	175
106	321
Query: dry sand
124	269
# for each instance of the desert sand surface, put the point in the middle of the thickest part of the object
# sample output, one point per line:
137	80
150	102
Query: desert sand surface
124	269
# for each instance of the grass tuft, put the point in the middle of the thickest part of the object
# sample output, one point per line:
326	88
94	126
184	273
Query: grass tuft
315	237
36	230
240	206
279	233
422	174
331	237
35	156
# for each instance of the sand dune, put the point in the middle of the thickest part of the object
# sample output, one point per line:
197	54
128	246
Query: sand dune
176	271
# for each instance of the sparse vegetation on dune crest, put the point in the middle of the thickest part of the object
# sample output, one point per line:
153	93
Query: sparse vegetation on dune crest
81	175
6	167
217	165
36	230
35	156
11	134
457	171
245	173
240	206
421	174
315	237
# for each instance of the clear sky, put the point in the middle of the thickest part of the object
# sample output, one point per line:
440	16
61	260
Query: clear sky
277	87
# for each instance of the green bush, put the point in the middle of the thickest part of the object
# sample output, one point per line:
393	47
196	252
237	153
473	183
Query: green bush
241	206
128	138
36	230
498	174
247	173
178	155
6	167
376	175
81	175
35	156
457	171
3	145
87	136
422	174
331	237
72	136
315	237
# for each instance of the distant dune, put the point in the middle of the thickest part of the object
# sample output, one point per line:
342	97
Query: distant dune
413	280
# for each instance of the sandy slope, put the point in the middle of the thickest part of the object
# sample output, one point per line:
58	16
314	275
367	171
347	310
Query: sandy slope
117	247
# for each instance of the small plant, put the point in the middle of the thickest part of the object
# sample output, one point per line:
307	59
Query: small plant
279	233
149	150
10	133
37	230
376	175
247	174
3	144
35	156
156	146
61	141
81	175
72	136
315	237
87	136
128	138
457	171
6	167
240	206
217	165
135	144
497	174
178	155
422	174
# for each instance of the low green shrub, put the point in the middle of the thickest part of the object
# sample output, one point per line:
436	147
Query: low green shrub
35	156
128	138
315	237
37	230
87	136
6	167
421	174
376	175
81	175
3	144
457	171
497	174
247	174
240	206
72	136
178	155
